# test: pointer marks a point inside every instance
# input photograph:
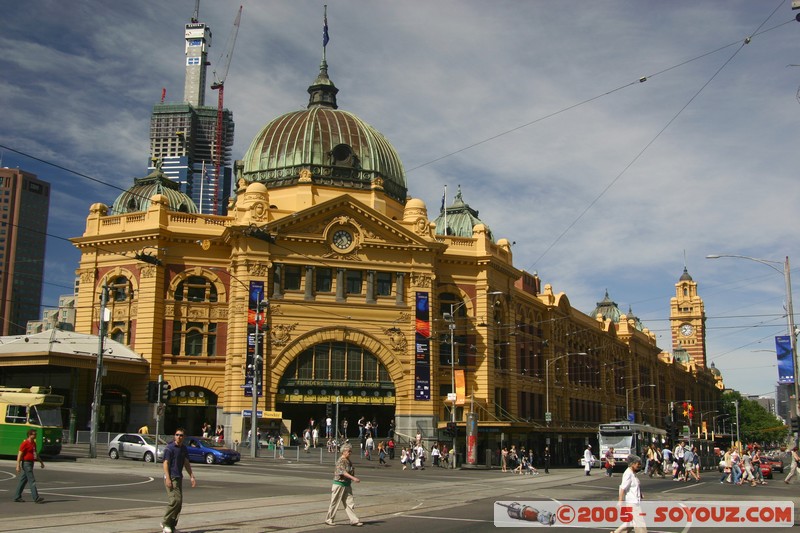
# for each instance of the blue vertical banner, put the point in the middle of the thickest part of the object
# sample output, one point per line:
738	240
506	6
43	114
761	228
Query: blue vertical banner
422	348
783	347
256	295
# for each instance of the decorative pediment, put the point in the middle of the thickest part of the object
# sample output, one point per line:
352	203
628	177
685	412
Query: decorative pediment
366	227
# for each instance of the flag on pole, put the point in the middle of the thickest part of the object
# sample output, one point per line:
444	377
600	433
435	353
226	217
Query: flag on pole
325	37
443	210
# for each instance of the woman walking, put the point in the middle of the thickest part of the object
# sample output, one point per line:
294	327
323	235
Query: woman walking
404	459
341	491
630	492
795	464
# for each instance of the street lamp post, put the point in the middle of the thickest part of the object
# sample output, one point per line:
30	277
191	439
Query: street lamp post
723	416
548	415
705	413
451	324
787	278
257	365
627	403
258	362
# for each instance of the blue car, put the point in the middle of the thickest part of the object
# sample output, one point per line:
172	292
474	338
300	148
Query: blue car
207	451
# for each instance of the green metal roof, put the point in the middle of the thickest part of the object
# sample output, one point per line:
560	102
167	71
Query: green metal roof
137	198
460	219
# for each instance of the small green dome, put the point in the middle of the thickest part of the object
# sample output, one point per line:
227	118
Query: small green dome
137	198
608	309
460	219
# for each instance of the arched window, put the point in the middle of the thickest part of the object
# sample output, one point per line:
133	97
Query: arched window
196	289
336	361
120	289
118	305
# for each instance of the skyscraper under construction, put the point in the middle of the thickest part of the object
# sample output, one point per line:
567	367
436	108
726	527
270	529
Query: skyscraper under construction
184	136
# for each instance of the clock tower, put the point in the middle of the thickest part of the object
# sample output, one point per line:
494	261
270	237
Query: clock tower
687	320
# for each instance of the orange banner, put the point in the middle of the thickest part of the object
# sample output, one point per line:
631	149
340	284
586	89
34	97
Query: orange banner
461	387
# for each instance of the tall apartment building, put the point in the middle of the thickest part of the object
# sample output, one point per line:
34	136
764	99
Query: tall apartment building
183	136
24	205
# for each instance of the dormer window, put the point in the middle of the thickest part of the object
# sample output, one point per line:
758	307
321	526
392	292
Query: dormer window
342	155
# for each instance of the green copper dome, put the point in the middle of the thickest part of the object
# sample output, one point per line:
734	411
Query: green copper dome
137	198
337	147
608	308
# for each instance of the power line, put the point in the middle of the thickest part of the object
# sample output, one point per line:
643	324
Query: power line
648	145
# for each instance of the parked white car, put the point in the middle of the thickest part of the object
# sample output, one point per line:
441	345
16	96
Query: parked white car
135	446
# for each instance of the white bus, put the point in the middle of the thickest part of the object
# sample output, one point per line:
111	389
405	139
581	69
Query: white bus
628	438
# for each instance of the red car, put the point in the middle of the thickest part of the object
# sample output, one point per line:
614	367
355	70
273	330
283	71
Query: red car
766	469
776	463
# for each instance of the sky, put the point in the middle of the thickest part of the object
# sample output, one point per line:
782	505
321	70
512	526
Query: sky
534	108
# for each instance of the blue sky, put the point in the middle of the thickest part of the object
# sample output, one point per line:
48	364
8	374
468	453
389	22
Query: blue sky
534	108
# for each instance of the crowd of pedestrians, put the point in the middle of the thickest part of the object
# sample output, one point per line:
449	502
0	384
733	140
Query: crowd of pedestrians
519	462
743	466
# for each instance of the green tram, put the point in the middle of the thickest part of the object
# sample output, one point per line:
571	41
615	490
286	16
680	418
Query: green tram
31	408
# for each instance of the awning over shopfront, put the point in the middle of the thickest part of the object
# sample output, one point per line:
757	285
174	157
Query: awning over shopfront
69	349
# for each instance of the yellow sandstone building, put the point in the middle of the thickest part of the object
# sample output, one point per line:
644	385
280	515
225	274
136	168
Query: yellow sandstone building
367	302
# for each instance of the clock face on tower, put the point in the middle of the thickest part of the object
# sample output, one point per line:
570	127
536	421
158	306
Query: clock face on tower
342	239
687	330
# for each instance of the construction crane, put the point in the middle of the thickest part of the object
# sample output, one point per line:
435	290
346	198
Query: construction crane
219	85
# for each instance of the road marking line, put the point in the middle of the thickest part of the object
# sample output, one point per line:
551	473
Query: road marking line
450	519
79	487
49	493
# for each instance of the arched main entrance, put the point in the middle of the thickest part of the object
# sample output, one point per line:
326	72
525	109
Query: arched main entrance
189	407
321	373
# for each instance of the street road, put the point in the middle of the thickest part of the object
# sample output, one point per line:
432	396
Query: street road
265	495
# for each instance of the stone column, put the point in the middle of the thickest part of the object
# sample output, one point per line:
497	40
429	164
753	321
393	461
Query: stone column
309	294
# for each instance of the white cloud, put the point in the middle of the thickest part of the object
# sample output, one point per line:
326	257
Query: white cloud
80	81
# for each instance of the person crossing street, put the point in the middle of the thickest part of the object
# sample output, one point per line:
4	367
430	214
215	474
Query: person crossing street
26	458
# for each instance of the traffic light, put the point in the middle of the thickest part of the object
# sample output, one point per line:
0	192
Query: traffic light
795	424
328	410
165	387
451	429
152	392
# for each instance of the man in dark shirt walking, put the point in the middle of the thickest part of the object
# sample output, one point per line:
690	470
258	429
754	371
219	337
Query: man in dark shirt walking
176	458
26	458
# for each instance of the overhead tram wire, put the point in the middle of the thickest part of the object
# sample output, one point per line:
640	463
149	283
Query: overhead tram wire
593	98
734	350
641	152
473	145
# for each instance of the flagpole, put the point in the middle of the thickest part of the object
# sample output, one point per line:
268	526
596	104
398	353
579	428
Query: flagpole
325	33
444	206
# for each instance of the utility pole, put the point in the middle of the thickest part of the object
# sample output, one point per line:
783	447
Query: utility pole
98	380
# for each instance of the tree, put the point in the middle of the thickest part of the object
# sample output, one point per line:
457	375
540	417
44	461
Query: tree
756	424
